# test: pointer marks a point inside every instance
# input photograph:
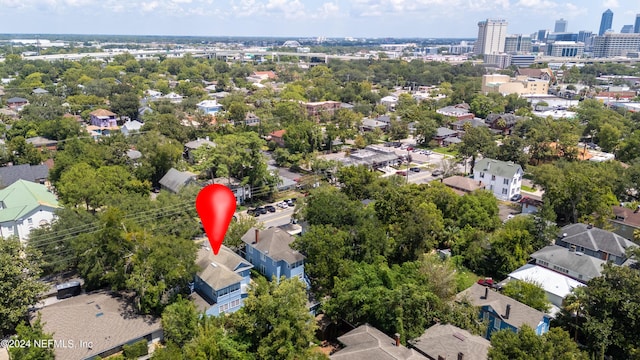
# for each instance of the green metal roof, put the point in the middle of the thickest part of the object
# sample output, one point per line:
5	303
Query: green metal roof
498	168
22	197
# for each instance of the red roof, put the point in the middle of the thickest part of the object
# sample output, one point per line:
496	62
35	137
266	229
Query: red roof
278	133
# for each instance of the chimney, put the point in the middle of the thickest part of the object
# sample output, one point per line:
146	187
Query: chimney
486	293
460	356
440	357
572	248
506	315
396	336
257	236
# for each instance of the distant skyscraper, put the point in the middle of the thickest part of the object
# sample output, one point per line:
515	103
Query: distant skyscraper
517	44
607	22
561	26
626	29
542	35
491	35
636	28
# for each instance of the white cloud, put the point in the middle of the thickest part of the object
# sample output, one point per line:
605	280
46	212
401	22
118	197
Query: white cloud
539	4
611	4
149	6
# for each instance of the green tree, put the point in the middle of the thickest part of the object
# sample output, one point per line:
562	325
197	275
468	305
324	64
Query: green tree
180	322
475	141
237	229
31	333
19	285
526	345
528	293
357	181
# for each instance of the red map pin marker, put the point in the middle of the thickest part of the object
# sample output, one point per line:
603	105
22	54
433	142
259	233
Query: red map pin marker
216	205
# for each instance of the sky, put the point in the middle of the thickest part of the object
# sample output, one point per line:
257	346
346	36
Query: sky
304	18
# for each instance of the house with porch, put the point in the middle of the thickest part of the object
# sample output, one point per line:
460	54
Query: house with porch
17	103
502	312
271	253
24	206
220	286
103	118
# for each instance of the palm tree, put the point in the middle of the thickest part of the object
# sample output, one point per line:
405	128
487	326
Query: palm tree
575	304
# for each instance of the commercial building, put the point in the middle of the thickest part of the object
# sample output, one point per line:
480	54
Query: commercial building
521	85
627	29
565	49
561	26
606	22
636	27
514	44
612	44
501	61
491	36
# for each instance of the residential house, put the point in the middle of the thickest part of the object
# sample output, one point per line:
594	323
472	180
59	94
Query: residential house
209	107
103	118
17	103
98	131
451	140
502	312
278	137
503	123
529	205
316	109
196	144
242	192
271	253
97	325
542	74
24	206
174	180
40	142
33	173
503	178
372	124
368	343
250	119
459	111
555	284
389	102
445	341
463	185
144	110
259	76
153	94
626	221
442	134
131	126
592	241
461	125
221	282
569	262
39	91
284	183
373	157
173	98
134	156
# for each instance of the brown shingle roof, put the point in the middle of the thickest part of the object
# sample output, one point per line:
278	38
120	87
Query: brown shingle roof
520	313
105	319
463	183
102	112
627	216
448	341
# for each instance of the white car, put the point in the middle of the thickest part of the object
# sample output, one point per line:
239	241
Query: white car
283	205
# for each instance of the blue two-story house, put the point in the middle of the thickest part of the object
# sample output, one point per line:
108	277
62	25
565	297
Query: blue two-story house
221	283
271	253
502	312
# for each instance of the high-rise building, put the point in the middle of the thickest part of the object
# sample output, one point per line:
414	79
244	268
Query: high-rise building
606	22
612	44
626	29
517	44
636	28
491	35
565	49
583	35
542	35
561	26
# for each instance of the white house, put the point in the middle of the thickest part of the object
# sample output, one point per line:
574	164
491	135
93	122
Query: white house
24	206
209	106
502	178
131	126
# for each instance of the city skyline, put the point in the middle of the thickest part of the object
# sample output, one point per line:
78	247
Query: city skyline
303	18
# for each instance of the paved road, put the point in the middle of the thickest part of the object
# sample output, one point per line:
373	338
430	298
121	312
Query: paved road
280	217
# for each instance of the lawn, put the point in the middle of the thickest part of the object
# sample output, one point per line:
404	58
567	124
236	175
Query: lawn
446	150
527	188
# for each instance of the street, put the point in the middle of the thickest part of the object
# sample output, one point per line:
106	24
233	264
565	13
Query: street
280	217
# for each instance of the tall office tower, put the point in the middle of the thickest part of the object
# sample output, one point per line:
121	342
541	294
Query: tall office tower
583	35
607	22
636	28
612	44
542	35
561	26
491	35
517	44
626	29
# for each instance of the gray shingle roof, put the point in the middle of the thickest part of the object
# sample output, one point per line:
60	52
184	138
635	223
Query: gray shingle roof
444	132
102	318
199	142
498	168
520	313
275	243
368	343
33	173
596	239
175	180
220	271
588	266
448	341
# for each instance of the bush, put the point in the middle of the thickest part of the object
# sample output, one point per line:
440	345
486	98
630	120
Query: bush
135	350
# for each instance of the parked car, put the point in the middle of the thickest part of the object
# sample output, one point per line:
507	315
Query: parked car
251	212
427	152
410	148
261	210
516	197
401	173
415	169
437	172
270	208
486	281
283	205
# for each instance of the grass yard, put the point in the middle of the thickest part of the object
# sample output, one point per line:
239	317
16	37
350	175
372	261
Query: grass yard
527	188
446	150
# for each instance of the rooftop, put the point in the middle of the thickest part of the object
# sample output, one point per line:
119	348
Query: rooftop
175	180
32	173
273	242
368	343
448	341
498	168
551	281
220	271
22	197
596	239
588	266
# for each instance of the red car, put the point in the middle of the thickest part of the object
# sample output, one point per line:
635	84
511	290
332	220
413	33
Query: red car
401	173
486	282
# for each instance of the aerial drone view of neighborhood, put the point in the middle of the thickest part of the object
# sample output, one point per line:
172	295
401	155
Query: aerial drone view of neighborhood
463	188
